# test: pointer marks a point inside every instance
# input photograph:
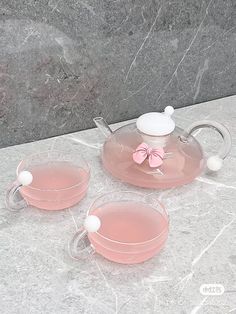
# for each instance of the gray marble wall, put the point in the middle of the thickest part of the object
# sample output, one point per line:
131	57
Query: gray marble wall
64	61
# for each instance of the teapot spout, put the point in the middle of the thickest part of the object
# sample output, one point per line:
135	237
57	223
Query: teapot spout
102	126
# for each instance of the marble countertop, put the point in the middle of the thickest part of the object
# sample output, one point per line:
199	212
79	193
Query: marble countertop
38	276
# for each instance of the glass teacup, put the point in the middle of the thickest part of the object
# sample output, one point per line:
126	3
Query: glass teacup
50	180
124	227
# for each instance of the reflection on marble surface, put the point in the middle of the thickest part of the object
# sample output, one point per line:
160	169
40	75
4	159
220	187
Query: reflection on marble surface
60	60
38	276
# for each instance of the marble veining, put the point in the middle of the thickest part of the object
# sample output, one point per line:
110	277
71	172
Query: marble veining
38	276
62	60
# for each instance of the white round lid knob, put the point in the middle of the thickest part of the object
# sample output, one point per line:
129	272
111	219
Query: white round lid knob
169	110
214	163
92	223
156	123
25	178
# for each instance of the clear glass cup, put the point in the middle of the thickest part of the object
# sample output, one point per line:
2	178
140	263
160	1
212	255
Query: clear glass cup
60	180
134	228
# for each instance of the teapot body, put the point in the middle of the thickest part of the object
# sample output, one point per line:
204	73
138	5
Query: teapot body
182	161
154	153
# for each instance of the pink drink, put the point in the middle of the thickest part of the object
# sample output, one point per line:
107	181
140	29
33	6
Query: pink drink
130	232
56	185
184	163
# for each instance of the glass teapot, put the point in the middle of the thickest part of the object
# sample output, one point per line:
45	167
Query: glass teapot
154	153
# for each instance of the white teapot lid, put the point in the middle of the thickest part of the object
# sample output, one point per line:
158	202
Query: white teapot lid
156	123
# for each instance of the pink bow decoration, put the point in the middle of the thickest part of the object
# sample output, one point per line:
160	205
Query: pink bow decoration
155	155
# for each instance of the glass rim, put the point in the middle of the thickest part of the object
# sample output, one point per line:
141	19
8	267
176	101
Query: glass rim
63	153
132	243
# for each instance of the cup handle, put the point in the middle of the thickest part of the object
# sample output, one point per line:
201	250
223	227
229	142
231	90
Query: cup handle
14	199
91	224
214	163
74	247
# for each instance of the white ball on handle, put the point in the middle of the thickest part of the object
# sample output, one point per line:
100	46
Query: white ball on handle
25	178
169	110
214	163
92	223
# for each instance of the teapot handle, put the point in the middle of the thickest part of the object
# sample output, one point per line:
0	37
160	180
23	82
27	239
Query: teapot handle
214	163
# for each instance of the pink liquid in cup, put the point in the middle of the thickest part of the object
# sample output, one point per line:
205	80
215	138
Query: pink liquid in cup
130	232
56	185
